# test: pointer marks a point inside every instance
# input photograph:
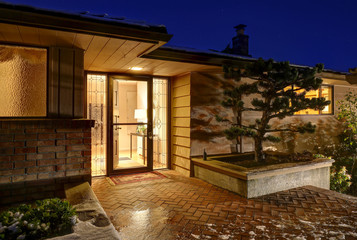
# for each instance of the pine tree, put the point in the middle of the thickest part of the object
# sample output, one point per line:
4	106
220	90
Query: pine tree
281	90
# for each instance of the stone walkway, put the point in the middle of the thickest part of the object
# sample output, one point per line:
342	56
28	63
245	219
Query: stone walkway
187	208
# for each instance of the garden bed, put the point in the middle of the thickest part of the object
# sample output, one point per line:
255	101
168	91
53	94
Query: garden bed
255	181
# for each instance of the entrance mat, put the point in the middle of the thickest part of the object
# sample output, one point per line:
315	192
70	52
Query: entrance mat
137	177
124	158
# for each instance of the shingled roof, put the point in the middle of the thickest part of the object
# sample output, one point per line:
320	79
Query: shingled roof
101	24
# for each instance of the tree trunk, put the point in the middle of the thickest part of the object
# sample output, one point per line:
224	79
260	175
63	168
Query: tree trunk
259	154
353	173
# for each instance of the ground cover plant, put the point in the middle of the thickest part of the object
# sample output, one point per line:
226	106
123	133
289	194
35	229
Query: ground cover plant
46	218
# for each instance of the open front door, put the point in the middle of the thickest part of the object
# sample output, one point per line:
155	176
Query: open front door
130	125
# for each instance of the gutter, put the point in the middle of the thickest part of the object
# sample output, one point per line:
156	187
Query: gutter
177	54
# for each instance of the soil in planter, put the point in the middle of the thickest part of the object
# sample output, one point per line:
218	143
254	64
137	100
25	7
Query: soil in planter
247	159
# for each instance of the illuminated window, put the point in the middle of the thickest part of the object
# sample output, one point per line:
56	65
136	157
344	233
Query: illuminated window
23	78
325	92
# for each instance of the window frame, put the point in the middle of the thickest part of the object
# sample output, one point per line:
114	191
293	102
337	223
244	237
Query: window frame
47	73
332	102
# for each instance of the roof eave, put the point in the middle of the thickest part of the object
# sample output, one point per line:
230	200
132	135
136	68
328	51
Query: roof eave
27	16
172	54
197	58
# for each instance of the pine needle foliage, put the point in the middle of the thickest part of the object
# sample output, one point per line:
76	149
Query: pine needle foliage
279	90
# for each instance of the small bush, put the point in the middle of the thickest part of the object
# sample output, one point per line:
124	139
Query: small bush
49	217
340	180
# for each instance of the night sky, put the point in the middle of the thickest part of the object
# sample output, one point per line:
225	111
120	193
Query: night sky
303	32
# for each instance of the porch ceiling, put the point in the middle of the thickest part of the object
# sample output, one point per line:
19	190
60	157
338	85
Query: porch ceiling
102	54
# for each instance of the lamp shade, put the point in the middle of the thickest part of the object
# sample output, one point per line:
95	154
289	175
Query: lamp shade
140	114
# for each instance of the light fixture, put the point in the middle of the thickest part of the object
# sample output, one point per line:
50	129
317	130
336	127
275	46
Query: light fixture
141	115
136	68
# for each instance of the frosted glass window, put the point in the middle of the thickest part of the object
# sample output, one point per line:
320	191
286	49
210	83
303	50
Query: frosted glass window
97	110
160	107
23	75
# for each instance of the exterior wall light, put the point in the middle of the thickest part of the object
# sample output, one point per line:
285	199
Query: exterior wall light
136	68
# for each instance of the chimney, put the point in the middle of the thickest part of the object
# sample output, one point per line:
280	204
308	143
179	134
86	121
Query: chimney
352	77
239	42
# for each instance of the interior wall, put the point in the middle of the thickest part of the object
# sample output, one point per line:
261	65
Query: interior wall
142	95
127	104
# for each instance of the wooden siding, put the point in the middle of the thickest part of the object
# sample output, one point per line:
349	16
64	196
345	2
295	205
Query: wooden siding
66	83
180	124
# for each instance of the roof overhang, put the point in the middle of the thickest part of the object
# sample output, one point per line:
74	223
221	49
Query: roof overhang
30	16
196	56
218	59
110	45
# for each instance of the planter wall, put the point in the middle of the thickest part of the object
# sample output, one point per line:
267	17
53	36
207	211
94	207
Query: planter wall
255	182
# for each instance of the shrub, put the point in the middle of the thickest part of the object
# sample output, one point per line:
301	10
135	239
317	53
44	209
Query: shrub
49	217
340	180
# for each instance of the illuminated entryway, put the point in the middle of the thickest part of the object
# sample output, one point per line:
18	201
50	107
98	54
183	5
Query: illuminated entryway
134	124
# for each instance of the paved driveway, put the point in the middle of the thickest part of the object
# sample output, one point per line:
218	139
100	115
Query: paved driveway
177	207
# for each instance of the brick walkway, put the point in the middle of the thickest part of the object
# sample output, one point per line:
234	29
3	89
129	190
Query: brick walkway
187	208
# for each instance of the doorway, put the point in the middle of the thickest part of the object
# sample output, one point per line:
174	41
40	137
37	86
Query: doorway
131	129
130	121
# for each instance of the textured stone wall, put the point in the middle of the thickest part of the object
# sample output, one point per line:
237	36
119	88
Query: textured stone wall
37	157
207	133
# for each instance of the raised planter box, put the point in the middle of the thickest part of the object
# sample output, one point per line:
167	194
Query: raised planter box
259	181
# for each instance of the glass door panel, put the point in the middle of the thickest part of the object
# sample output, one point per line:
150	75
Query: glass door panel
97	110
130	124
160	111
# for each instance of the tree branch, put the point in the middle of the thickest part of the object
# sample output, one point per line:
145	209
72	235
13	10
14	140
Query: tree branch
281	130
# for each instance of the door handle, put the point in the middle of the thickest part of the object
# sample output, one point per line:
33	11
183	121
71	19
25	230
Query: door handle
150	136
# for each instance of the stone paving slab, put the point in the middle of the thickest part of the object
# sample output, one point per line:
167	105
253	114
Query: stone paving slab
187	208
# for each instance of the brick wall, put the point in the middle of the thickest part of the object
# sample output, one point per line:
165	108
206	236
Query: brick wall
37	157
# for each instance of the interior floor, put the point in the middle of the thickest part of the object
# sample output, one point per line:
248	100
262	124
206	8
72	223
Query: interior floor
125	161
137	160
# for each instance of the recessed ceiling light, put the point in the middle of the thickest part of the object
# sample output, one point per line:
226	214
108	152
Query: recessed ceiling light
136	68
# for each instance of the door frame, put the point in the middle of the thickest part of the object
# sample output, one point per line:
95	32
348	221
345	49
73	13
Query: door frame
110	136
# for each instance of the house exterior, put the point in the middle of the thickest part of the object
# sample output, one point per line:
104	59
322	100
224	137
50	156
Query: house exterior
86	95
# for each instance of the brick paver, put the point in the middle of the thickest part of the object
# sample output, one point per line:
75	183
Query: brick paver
187	208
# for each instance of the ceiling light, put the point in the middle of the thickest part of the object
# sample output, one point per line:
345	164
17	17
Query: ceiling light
136	68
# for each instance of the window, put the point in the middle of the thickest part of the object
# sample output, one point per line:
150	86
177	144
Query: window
324	91
23	78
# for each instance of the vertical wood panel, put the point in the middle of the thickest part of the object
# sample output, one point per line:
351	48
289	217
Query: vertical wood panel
66	82
53	87
78	101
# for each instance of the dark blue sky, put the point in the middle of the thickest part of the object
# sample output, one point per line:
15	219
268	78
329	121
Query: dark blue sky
304	32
